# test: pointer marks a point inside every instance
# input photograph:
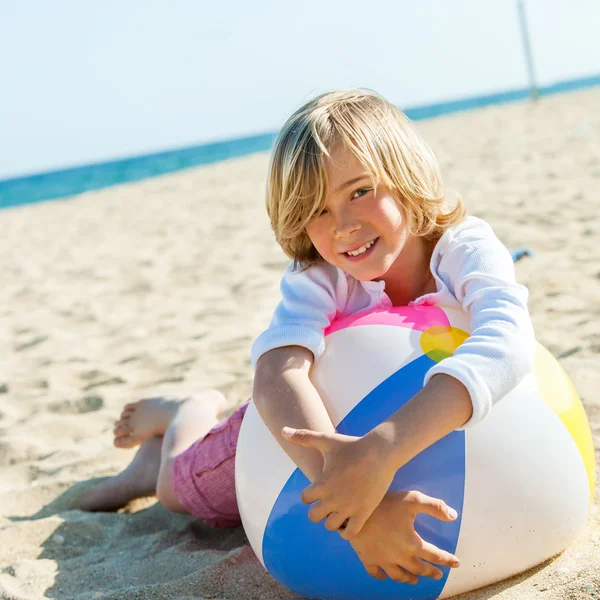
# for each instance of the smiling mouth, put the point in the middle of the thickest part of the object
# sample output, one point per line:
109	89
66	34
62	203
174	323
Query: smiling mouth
362	250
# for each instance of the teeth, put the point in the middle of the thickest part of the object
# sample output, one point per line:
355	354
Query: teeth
362	249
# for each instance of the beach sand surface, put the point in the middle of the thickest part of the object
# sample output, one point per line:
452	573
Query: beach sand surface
159	287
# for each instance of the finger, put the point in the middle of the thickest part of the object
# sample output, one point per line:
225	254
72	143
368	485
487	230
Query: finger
420	567
334	521
318	512
435	555
375	571
311	493
433	506
353	527
307	438
401	575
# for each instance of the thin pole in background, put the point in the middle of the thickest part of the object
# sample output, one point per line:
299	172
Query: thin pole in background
535	93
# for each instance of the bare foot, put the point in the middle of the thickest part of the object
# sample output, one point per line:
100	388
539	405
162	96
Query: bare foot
138	480
151	417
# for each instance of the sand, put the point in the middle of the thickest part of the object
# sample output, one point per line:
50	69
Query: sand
160	287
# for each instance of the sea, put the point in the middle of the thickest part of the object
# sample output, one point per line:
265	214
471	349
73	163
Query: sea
70	182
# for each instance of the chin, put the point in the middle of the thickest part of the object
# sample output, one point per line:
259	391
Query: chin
372	275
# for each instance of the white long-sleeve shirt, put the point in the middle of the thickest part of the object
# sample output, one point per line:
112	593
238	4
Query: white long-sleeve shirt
473	270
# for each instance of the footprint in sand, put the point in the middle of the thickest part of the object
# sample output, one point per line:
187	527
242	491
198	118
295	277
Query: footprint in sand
98	379
79	406
109	381
30	343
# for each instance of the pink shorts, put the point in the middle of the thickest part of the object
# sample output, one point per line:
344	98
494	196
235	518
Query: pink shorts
203	476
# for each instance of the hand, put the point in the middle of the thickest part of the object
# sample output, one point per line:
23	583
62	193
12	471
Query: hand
356	475
389	546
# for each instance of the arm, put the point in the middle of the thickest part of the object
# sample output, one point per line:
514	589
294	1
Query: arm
461	390
284	396
479	272
442	406
310	300
283	355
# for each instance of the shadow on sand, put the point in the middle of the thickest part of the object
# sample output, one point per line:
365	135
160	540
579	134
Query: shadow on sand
147	552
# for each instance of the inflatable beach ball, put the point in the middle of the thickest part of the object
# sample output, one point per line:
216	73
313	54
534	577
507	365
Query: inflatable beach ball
522	480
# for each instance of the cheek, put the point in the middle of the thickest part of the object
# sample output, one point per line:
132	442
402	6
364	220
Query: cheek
390	213
317	234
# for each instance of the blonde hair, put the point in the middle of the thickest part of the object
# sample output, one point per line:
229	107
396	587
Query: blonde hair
383	140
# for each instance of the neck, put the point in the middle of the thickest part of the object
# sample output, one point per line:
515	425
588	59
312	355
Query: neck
410	276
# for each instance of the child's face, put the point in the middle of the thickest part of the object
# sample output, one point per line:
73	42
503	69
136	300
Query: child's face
356	217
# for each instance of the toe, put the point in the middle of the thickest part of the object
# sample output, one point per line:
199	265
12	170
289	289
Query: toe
125	441
127	413
121	431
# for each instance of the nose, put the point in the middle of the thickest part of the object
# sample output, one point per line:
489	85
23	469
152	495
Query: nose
345	224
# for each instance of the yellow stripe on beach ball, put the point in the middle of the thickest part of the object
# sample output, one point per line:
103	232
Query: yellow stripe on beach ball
441	341
558	392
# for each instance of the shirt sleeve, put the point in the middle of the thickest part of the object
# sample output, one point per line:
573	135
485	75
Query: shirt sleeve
310	300
501	348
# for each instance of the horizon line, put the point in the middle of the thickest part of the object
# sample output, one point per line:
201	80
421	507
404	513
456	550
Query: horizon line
217	151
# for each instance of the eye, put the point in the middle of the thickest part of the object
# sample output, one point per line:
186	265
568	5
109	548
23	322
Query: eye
323	212
361	192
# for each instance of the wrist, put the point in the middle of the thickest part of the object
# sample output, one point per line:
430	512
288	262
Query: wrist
383	444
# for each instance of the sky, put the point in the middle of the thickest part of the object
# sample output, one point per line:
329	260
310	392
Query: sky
84	82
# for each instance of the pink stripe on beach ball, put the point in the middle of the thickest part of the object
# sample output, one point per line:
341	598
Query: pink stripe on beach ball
419	318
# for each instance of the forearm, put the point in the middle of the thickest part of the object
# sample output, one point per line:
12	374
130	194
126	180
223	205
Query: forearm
284	396
439	408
